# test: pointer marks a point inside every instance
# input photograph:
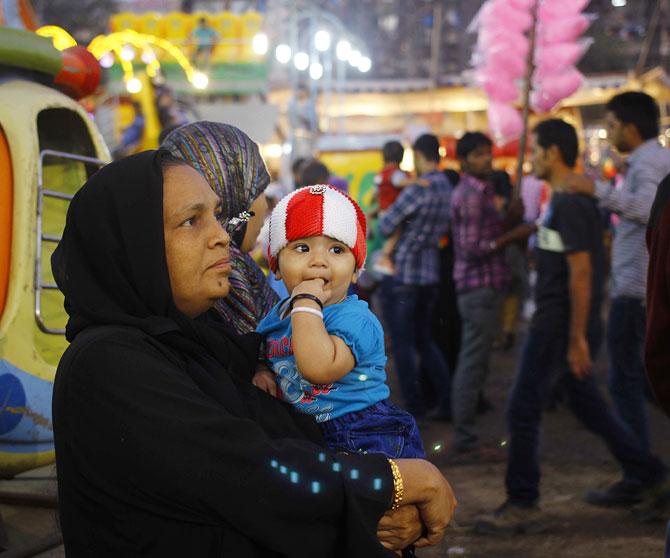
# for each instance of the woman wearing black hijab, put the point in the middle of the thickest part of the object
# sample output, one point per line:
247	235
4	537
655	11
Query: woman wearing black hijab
163	445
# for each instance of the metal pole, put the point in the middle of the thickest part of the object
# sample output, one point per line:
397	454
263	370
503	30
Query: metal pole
313	56
315	127
295	46
530	69
300	11
341	78
664	47
435	39
651	33
293	77
328	87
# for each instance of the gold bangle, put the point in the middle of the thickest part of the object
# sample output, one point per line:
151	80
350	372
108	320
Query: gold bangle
398	489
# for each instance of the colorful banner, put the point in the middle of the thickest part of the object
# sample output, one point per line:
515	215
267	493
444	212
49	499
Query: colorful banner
359	169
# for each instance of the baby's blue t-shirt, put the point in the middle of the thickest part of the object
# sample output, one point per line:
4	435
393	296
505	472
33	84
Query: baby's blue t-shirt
352	321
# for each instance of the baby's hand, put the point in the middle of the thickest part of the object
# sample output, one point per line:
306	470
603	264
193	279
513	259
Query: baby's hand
316	287
423	182
265	380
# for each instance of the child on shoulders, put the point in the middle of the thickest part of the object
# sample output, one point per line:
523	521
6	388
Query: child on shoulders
390	181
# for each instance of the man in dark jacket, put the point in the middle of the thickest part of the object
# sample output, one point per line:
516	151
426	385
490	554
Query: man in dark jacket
656	349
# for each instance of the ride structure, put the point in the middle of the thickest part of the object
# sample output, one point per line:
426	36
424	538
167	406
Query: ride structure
230	68
49	146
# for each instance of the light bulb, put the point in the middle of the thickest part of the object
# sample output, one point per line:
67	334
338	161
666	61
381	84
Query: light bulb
322	40
134	85
315	70
365	64
301	61
355	58
200	80
107	60
260	43
343	50
127	53
283	53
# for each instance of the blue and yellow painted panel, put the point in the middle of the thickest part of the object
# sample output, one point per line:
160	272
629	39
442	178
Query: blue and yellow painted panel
359	168
28	356
235	31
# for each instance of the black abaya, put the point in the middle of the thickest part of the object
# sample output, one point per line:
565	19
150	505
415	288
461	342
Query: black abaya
163	446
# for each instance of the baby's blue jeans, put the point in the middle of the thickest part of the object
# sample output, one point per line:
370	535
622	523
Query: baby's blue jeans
380	428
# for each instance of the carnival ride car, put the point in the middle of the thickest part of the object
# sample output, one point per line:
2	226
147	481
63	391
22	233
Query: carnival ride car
49	145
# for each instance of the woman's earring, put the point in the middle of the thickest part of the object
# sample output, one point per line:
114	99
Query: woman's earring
236	222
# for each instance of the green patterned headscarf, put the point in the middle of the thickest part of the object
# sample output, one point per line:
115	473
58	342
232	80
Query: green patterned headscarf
226	157
232	164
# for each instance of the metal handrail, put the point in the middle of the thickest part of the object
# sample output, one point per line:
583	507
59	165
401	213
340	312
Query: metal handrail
40	237
49	286
57	195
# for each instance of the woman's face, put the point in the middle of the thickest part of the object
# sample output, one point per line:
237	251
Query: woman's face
260	209
196	246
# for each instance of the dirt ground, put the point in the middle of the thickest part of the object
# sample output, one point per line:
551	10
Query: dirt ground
573	461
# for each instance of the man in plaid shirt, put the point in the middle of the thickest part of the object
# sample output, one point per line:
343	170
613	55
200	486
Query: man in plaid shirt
481	275
409	296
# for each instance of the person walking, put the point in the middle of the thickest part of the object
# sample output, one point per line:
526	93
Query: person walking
564	338
633	127
409	296
481	275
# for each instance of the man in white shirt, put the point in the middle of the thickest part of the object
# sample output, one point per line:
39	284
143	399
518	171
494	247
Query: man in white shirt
633	128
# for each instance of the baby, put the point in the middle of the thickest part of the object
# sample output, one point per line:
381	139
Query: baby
326	348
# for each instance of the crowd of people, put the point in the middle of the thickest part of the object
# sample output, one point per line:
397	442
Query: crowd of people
490	232
556	223
207	408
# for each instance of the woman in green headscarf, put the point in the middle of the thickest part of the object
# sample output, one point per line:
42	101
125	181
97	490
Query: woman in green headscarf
232	165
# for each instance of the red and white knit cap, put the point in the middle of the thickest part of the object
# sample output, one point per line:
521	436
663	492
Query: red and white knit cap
319	210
